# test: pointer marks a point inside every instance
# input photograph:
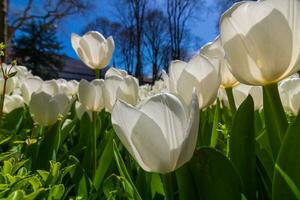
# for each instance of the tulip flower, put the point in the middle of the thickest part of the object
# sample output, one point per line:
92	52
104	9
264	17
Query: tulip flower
119	85
30	86
160	133
261	40
289	90
50	87
45	109
90	95
198	73
12	102
215	53
80	110
93	49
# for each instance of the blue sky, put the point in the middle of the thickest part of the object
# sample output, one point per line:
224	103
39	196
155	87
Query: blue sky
202	24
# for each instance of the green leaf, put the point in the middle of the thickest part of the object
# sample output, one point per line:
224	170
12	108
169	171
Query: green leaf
47	148
156	185
123	171
215	176
104	162
16	195
275	119
242	146
286	180
56	192
186	184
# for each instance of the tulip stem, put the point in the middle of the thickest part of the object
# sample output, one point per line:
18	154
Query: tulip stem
230	97
97	73
167	180
94	144
2	98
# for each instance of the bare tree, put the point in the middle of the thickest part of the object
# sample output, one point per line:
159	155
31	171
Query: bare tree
50	12
132	16
179	12
156	40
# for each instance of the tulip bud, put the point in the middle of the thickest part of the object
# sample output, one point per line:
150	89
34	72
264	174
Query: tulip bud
119	85
198	73
93	49
90	95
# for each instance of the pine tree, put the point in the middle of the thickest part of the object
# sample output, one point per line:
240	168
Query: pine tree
38	48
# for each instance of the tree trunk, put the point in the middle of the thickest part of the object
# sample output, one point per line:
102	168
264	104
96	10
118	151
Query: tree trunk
3	21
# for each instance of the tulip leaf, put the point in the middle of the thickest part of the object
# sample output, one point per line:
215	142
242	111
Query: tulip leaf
123	171
104	162
214	176
47	147
286	180
242	146
185	182
275	119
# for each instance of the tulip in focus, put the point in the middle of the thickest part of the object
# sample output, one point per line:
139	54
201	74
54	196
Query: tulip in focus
261	40
198	73
93	49
160	133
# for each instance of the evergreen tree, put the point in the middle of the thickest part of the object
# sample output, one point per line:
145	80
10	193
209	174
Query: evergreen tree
38	48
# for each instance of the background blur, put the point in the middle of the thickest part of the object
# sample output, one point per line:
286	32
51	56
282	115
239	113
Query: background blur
148	34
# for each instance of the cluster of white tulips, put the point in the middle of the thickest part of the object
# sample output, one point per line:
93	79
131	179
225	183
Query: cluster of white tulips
158	124
251	67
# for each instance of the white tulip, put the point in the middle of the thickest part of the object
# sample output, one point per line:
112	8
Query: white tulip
261	40
160	133
50	87
198	73
30	86
90	94
215	53
80	110
93	49
288	90
45	109
120	86
12	102
241	92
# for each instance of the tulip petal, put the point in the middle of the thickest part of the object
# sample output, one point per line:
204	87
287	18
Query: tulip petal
128	90
111	85
168	112
124	118
86	94
175	69
189	145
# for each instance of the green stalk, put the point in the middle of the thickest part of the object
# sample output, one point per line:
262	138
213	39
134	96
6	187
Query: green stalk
97	73
230	97
275	118
94	144
2	99
167	180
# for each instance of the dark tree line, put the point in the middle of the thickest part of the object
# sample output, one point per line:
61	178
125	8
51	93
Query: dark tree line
148	36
